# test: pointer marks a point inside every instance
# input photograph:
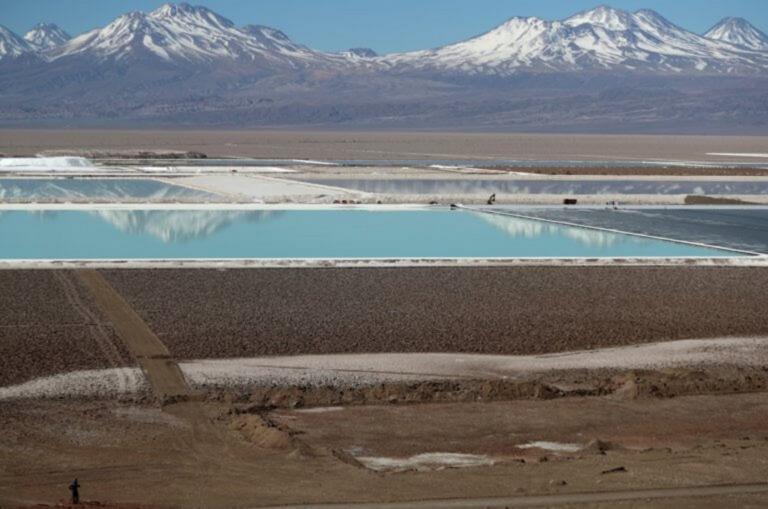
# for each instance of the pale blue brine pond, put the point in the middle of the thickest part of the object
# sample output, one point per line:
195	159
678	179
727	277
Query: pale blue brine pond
113	189
545	186
222	234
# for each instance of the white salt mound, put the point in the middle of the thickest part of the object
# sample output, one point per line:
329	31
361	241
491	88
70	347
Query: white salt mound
427	461
552	446
363	369
86	383
44	163
320	410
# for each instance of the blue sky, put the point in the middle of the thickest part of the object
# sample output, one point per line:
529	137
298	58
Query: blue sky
384	25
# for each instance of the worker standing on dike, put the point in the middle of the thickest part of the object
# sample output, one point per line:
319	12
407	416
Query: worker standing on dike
75	489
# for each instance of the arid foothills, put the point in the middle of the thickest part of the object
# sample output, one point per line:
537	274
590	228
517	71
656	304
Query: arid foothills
596	70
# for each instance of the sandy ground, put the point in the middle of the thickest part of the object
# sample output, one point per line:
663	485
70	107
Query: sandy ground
526	429
636	431
389	145
505	310
192	455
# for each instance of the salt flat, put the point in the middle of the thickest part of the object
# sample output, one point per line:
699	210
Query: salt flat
260	188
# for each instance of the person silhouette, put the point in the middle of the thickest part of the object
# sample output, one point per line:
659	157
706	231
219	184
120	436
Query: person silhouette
74	487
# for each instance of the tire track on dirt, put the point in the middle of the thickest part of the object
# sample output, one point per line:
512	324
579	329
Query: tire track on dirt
97	329
210	448
162	372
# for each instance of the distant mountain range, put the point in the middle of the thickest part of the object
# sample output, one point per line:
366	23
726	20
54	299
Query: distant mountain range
600	39
186	65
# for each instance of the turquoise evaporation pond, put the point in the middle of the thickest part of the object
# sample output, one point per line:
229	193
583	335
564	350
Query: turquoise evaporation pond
205	234
111	189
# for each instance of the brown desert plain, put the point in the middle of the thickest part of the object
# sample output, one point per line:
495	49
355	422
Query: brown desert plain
394	145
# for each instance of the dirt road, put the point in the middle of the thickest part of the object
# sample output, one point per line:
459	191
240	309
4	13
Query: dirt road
161	370
559	500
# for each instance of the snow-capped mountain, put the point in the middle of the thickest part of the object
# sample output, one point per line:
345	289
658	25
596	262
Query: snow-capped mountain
599	39
740	32
183	34
11	45
599	69
360	53
46	35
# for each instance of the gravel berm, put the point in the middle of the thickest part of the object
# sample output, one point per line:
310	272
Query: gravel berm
521	310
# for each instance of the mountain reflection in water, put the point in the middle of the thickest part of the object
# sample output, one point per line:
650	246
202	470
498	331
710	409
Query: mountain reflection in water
83	190
525	228
181	225
161	233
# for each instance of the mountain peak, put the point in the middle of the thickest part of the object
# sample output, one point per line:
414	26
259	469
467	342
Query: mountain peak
182	34
180	9
11	45
604	38
46	26
46	35
599	39
186	13
170	9
736	22
603	16
738	31
516	21
361	53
